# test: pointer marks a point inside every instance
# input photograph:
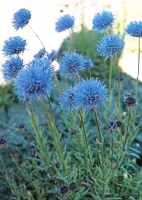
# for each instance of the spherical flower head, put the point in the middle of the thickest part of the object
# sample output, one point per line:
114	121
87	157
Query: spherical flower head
71	63
65	22
91	94
34	82
110	46
102	21
12	67
134	29
41	53
21	18
68	100
14	45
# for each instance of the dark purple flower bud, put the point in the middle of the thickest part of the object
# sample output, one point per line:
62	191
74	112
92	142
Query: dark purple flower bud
64	189
113	125
2	141
130	101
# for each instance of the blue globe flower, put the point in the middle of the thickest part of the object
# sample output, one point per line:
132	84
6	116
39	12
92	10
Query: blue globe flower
110	46
12	67
14	45
135	29
71	63
68	100
90	94
34	81
65	22
102	21
21	18
41	53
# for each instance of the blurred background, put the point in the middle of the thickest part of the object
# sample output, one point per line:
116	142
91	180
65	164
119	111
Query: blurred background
46	12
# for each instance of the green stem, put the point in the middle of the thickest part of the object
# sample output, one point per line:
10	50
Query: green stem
56	135
138	72
40	139
100	136
101	142
87	148
127	127
37	36
98	126
112	151
110	83
139	51
119	94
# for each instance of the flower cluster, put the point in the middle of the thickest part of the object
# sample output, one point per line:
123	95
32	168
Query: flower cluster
65	22
88	94
102	21
110	46
11	67
21	18
14	45
73	62
134	29
34	81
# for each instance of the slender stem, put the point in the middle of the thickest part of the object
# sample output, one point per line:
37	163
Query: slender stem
101	140
85	138
110	83
55	134
127	127
37	36
139	51
40	139
98	126
112	150
138	72
119	93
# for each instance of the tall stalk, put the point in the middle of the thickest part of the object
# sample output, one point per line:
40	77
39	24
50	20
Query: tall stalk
110	83
138	71
101	153
85	139
39	136
127	128
37	36
55	135
112	151
100	136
